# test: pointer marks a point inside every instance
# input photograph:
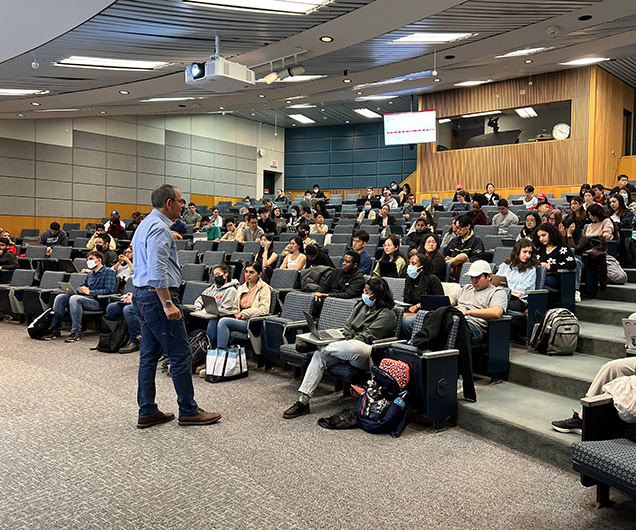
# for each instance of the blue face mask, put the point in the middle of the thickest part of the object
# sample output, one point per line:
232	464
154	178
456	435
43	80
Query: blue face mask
367	299
624	195
294	214
394	187
246	203
412	271
367	206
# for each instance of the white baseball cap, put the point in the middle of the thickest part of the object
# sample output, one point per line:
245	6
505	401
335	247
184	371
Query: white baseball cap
478	268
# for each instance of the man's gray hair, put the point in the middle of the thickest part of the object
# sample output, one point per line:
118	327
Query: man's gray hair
162	193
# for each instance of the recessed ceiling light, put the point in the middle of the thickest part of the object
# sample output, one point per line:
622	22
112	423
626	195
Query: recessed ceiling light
253	114
301	118
326	38
367	113
300	78
261	95
587	60
20	115
288	101
221	107
20	92
293	125
522	53
278	6
444	120
526	112
322	110
528	61
124	92
302	106
346	121
36	104
473	83
157	100
432	38
359	93
390	102
477	114
102	112
437	79
375	98
324	117
346	80
110	64
585	18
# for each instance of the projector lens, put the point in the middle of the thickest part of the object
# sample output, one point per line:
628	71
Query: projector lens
197	70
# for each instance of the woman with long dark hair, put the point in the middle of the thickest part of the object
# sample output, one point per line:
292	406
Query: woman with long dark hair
577	213
520	270
533	219
431	248
552	252
371	320
321	208
392	254
419	280
277	217
619	213
296	258
601	225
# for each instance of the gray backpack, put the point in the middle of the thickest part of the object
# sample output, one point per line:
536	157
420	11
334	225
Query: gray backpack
556	334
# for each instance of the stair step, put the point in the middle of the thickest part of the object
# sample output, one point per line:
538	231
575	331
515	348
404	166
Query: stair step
604	311
568	376
601	340
631	275
519	417
621	293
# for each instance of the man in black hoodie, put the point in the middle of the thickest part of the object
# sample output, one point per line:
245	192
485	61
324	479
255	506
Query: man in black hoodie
8	261
346	282
53	236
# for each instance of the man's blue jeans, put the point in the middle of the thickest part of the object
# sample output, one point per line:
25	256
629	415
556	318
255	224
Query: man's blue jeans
76	304
116	310
159	334
226	326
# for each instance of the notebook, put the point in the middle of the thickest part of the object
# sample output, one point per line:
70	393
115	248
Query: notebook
333	334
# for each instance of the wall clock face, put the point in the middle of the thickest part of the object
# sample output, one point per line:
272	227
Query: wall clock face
561	131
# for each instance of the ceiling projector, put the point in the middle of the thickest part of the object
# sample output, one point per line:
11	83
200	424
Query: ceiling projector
219	75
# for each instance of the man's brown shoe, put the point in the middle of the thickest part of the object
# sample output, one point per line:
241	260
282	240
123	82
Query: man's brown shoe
157	418
200	417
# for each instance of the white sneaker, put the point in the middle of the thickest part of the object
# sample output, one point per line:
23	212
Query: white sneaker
460	386
577	296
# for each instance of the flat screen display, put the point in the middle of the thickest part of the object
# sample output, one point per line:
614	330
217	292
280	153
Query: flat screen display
410	128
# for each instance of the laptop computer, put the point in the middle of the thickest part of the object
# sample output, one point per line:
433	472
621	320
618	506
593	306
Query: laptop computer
629	328
430	302
210	308
388	269
333	334
67	288
517	202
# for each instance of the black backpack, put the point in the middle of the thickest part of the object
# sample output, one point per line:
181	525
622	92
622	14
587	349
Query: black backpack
200	344
627	253
114	335
40	325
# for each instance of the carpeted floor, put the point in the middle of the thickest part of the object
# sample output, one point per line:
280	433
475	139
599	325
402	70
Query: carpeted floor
71	457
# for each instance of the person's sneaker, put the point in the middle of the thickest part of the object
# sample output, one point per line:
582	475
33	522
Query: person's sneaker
130	348
577	296
157	418
52	336
73	337
297	409
573	424
202	373
200	417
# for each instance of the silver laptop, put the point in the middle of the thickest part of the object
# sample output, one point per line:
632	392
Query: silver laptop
333	334
210	309
629	327
67	288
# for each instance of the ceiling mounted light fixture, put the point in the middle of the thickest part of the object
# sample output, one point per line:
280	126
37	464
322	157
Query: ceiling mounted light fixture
159	100
585	61
368	113
302	106
21	92
444	120
102	112
528	61
301	118
478	114
20	115
36	104
374	98
522	53
124	92
432	38
294	7
326	38
261	95
100	63
347	80
473	83
527	112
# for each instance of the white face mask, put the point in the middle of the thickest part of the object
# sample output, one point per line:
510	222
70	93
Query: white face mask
91	264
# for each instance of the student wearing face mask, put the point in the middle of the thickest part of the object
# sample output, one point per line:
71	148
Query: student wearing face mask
318	193
419	280
102	244
100	280
247	204
367	212
294	219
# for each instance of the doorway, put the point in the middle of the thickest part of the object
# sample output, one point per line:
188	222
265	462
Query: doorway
269	181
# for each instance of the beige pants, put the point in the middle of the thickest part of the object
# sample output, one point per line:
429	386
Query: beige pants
610	371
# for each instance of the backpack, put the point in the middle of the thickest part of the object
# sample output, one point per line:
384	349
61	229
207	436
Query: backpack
199	344
381	407
114	335
40	325
627	253
556	334
615	272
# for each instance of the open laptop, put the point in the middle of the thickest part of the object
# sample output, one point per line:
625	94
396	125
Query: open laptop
210	309
629	327
333	334
388	269
67	288
430	302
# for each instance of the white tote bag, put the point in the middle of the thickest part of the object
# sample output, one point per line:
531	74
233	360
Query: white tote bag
225	364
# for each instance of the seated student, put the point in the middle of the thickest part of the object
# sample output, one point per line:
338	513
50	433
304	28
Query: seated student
99	230
419	280
267	203
303	233
533	219
367	212
552	252
254	300
318	193
577	214
265	222
388	199
243	224
53	236
460	189
599	194
529	200
224	289
392	254
179	229
574	238
623	186
191	216
124	266
232	233
346	281
216	218
588	198
137	217
266	256
116	228
459	206
306	203
584	187
450	234
601	226
407	207
543	204
252	232
296	258
358	244
247	204
100	280
620	215
505	217
8	260
371	320
102	244
477	215
431	226
465	247
436	205
316	257
414	239
281	197
318	227
384	219
370	195
492	197
11	248
294	219
430	248
124	308
277	217
322	208
520	270
404	194
480	301
213	231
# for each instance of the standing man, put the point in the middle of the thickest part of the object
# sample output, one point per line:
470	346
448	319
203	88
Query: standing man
156	279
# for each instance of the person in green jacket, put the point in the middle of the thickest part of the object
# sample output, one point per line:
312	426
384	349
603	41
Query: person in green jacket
371	320
213	231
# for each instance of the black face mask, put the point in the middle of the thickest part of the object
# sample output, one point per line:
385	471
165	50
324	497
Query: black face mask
302	234
99	247
219	280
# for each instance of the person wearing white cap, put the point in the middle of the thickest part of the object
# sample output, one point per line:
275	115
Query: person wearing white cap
480	301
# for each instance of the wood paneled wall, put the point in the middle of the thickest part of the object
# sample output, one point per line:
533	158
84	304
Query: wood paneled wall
547	163
609	97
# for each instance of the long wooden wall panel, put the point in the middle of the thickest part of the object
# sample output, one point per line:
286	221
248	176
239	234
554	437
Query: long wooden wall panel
611	96
543	164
